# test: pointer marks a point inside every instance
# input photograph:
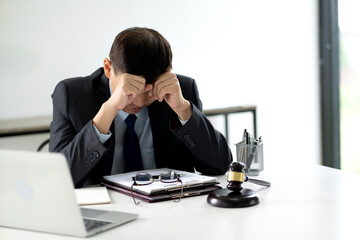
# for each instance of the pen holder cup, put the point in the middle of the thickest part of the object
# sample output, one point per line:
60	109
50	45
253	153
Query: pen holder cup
252	156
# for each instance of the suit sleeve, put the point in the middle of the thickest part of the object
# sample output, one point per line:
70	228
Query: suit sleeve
209	147
82	149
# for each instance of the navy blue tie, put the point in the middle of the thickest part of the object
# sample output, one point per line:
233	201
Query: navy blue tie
132	152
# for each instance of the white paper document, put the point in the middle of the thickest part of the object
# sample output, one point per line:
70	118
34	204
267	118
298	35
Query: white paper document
188	179
92	195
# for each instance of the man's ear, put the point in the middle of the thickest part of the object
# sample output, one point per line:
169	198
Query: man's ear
107	67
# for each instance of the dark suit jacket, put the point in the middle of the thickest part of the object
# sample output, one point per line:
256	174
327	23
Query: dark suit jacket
75	103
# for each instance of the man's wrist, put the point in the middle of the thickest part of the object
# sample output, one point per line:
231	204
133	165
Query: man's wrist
103	119
110	108
185	112
102	137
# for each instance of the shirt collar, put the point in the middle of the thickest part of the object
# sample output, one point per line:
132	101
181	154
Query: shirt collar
140	115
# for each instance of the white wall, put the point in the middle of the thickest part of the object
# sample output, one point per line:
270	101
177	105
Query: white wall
240	52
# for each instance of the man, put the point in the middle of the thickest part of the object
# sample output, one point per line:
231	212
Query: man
134	114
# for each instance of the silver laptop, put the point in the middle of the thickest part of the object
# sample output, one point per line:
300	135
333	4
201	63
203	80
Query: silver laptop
37	193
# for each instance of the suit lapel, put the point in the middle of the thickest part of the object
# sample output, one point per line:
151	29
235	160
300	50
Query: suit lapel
103	91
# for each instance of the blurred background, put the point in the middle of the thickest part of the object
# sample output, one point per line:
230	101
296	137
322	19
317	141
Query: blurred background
349	38
262	53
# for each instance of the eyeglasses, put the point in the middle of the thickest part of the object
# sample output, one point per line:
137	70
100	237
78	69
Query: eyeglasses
167	176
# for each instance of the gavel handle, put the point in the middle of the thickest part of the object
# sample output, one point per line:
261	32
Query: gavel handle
258	182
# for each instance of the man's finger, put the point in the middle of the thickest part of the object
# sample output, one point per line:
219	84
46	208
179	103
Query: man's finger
134	81
148	87
160	90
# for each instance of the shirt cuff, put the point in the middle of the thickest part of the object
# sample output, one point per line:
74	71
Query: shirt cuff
183	122
102	137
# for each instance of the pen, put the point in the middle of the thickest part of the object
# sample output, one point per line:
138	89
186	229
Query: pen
252	154
245	142
246	137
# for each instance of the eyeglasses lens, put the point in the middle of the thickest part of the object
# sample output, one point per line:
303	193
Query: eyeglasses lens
168	176
143	178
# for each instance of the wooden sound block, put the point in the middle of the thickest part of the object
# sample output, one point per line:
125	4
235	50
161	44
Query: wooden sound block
230	199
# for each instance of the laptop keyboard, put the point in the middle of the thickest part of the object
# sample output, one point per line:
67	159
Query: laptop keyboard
92	224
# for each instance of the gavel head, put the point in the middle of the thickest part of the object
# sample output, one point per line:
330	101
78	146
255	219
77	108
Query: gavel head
236	176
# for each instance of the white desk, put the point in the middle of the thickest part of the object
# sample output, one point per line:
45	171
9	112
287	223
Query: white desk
312	203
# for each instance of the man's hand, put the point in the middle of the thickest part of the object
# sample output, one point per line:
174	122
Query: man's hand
167	88
127	89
